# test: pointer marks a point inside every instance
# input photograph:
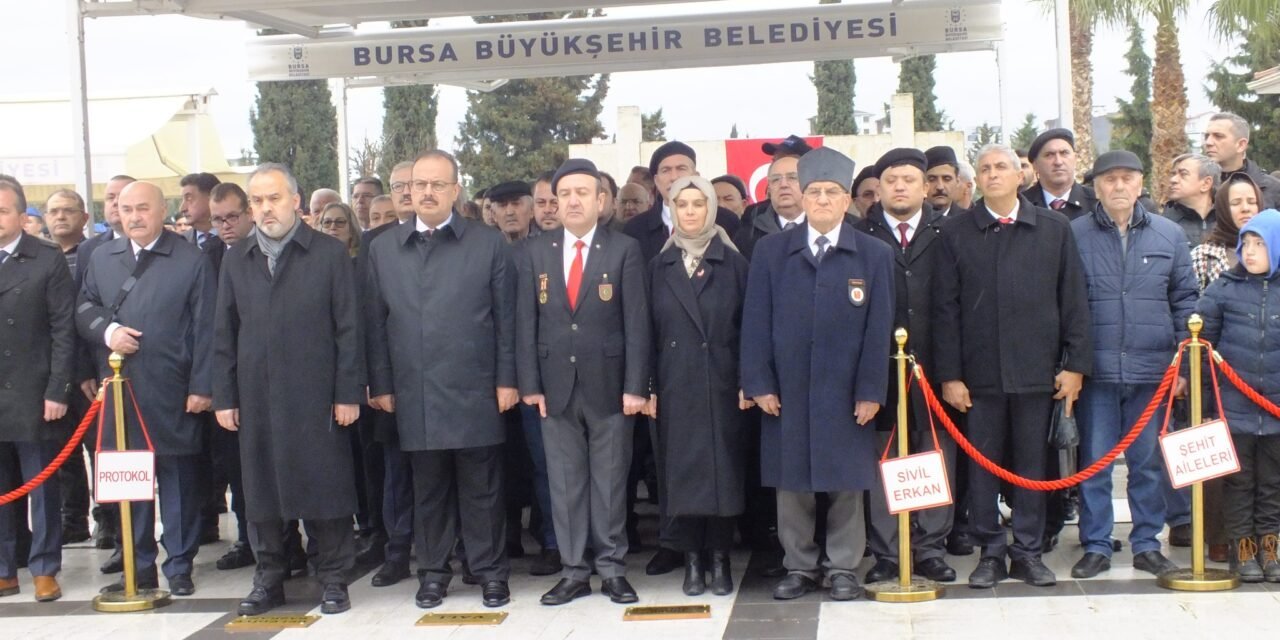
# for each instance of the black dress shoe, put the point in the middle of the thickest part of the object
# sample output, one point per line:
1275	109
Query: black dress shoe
75	533
261	600
1090	565
721	573
1033	572
103	537
143	580
114	564
844	586
238	556
1180	535
619	590
496	593
988	573
546	563
1049	543
431	594
695	574
793	586
935	569
391	573
663	562
959	544
1153	562
181	585
335	599
566	591
884	569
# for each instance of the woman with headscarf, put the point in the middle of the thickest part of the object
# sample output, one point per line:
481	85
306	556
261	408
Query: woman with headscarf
698	283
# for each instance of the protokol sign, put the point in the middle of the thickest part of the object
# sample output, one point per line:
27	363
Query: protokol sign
915	482
1199	453
124	476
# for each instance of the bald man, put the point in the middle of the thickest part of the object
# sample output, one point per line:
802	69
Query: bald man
320	198
144	294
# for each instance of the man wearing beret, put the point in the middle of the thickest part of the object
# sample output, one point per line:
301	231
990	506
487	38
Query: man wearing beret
583	353
512	204
942	179
1142	290
1010	309
1053	154
906	222
441	341
866	190
815	356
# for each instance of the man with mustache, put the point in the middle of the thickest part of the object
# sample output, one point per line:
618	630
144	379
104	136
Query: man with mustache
1053	154
942	179
512	204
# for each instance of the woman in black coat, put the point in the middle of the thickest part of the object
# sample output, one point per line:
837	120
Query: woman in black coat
698	283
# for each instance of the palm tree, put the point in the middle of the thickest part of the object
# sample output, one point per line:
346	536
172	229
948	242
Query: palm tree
1253	19
1168	92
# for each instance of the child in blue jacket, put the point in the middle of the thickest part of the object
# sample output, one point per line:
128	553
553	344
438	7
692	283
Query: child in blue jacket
1241	313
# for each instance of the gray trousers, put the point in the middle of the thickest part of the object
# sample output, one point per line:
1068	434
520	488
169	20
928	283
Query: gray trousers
588	457
932	526
846	533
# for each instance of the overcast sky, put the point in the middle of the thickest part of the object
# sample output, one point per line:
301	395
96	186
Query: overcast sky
158	54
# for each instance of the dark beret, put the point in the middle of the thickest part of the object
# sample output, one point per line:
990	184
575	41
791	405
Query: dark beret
868	171
938	156
792	145
572	166
901	156
673	148
508	191
1119	159
1044	138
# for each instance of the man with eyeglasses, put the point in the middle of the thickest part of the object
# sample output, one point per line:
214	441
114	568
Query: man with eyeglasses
780	212
362	194
401	174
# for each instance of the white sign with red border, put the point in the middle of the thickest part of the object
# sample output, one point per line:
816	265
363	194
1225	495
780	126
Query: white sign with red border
1200	453
124	476
915	482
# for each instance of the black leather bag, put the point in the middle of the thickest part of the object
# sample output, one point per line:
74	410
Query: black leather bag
1064	433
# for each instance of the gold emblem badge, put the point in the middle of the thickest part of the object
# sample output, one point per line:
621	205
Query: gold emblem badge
606	289
542	288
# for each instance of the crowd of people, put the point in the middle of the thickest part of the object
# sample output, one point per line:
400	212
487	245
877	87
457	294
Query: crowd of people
399	376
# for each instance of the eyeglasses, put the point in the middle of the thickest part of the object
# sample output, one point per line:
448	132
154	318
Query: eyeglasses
335	223
229	221
420	186
776	179
830	192
399	187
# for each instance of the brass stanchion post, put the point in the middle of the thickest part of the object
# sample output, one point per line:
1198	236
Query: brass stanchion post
907	588
131	599
1197	578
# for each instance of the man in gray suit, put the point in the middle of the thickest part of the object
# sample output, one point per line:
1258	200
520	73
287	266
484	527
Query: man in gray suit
150	296
583	355
441	335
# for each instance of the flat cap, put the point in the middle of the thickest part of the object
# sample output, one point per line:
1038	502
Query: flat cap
793	145
508	191
867	172
825	164
1044	138
673	148
902	156
940	155
570	167
1118	159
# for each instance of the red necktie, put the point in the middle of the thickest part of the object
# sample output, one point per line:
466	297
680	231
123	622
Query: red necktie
575	276
1057	204
1005	220
903	227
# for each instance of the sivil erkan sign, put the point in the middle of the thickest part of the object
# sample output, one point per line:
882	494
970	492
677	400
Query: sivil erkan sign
596	45
915	482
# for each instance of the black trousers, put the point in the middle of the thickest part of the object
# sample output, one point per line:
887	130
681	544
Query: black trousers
701	533
372	470
225	446
333	539
1012	430
74	474
460	490
1251	504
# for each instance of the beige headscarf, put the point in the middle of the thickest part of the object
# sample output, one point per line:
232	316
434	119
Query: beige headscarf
694	245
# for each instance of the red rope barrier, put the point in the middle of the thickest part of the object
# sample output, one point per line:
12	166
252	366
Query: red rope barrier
936	407
71	447
1239	383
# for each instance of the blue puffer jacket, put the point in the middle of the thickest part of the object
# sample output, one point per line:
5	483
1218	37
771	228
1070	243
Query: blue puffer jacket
1139	298
1242	319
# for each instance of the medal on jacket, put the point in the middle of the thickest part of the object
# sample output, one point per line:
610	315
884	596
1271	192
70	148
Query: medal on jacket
606	289
857	292
542	288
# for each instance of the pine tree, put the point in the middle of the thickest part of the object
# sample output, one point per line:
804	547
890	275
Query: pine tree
1225	86
653	127
1026	134
409	122
834	80
524	127
1131	127
916	77
295	123
733	132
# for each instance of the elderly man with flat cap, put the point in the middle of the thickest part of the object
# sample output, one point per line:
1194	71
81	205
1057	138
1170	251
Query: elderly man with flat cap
1141	292
942	179
583	356
815	357
1053	154
905	221
512	206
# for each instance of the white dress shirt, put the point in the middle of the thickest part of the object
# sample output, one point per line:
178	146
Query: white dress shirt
832	237
667	220
423	228
782	222
913	222
570	251
1012	215
111	328
1049	197
11	247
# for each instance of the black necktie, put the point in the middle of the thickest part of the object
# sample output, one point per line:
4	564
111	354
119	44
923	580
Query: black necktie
4	255
789	226
822	247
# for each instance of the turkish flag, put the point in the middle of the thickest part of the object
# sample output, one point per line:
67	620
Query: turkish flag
745	160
